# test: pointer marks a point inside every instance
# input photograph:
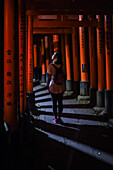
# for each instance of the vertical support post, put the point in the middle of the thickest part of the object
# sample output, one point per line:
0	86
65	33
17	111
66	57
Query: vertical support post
75	62
43	79
10	90
21	15
68	65
101	62
35	62
63	53
56	42
46	55
30	95
93	71
50	47
1	64
108	111
84	83
26	62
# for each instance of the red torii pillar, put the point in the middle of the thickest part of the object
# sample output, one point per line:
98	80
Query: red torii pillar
63	53
10	86
75	62
35	61
50	47
46	54
93	65
26	63
84	83
68	64
21	14
100	62
43	78
30	95
1	63
108	111
56	42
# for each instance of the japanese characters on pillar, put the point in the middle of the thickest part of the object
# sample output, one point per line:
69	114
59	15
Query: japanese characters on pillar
21	54
56	42
100	54
108	21
10	100
83	59
30	54
75	55
35	55
92	56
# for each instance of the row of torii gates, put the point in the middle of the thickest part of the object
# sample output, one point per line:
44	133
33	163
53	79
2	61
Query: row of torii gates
91	66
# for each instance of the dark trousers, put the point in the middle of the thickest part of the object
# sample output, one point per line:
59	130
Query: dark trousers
57	98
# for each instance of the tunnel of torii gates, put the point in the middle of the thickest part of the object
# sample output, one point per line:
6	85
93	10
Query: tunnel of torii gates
27	43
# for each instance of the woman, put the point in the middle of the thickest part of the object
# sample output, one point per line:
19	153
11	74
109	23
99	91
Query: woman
56	90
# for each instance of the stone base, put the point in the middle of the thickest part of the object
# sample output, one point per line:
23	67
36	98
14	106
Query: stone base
92	94
68	85
100	98
84	88
76	88
108	111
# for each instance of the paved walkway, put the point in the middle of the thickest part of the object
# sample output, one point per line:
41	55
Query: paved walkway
83	141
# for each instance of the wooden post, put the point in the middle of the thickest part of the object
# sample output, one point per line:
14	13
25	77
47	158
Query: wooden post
100	61
10	88
30	95
56	42
93	65
75	62
43	79
68	64
84	83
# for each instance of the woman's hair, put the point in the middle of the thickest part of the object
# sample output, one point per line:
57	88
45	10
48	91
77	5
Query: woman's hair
57	58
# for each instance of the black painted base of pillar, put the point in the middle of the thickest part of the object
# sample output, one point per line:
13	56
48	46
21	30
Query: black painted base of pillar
43	78
100	98
108	111
68	85
84	88
30	102
92	94
76	88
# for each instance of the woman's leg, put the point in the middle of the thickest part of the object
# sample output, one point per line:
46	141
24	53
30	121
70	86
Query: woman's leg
60	104
54	104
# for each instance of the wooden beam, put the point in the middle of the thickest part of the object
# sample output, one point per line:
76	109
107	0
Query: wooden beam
51	31
65	24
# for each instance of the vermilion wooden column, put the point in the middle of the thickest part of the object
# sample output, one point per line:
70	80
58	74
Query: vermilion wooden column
35	61
30	96
50	48
46	55
56	42
63	52
108	111
68	64
93	65
100	61
83	61
1	64
43	79
21	52
75	62
26	62
10	100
